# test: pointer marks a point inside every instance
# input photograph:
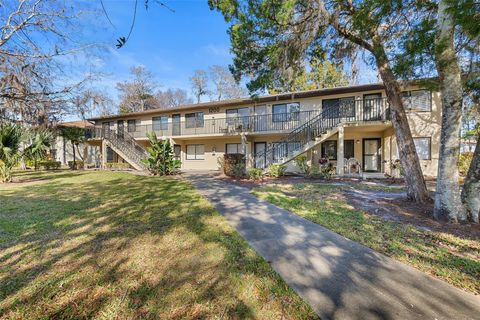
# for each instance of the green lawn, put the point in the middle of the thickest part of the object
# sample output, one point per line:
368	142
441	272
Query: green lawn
114	245
451	258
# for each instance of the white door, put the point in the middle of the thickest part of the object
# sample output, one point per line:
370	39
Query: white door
371	155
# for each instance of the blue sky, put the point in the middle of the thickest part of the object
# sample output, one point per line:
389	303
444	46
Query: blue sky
170	44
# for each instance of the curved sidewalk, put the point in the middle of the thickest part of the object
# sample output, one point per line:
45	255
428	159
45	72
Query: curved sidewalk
339	278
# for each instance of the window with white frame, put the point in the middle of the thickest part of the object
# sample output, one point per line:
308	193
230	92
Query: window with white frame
423	146
417	100
194	120
233	148
285	112
160	123
238	116
195	152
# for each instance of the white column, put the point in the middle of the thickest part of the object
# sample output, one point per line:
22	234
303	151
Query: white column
104	154
340	155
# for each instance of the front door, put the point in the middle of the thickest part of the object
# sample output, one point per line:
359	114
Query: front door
260	156
371	155
261	123
176	130
372	107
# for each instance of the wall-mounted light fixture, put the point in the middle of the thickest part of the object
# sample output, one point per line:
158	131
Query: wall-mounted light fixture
214	149
358	141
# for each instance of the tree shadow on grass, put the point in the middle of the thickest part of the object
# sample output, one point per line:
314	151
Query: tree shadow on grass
116	244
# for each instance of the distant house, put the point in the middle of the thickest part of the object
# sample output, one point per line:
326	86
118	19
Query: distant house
467	145
62	150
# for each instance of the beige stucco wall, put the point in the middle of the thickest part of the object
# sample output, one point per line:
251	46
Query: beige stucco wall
422	124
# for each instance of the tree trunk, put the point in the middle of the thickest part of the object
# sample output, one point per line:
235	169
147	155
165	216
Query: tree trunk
415	183
471	188
447	196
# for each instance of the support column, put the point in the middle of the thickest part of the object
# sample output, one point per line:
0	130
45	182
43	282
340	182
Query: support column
245	149
104	154
340	148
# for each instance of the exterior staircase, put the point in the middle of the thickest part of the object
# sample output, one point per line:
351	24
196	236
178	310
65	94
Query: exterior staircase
125	146
316	130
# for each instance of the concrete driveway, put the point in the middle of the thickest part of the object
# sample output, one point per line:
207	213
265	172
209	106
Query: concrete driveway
339	278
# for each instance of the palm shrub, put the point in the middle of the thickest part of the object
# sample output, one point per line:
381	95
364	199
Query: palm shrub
40	142
160	159
11	137
76	136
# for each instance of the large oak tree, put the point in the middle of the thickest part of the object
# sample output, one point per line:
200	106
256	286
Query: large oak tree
271	39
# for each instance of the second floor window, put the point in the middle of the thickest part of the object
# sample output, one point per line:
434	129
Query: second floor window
238	115
194	120
417	100
131	126
336	108
160	123
285	112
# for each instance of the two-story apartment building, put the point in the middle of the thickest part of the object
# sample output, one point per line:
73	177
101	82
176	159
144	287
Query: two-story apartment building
346	125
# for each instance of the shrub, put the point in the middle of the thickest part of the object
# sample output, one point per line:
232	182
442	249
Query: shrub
276	170
49	164
160	157
301	162
234	165
464	161
117	165
78	165
255	174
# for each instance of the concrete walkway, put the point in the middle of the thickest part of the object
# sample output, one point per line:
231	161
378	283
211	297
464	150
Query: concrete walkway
341	279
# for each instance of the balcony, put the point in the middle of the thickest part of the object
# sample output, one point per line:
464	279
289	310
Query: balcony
354	111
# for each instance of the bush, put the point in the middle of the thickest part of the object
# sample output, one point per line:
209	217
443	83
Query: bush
255	174
464	161
234	165
49	164
117	165
276	170
161	159
78	165
301	162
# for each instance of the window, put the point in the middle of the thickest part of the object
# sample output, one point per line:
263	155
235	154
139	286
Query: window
195	152
177	150
348	149
329	150
285	112
423	146
109	154
282	150
194	120
234	148
339	108
160	123
417	100
132	125
238	115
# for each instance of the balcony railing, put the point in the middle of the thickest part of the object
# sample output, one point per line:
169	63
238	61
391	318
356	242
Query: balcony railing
354	111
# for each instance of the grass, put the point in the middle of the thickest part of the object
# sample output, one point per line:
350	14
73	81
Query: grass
112	245
453	259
